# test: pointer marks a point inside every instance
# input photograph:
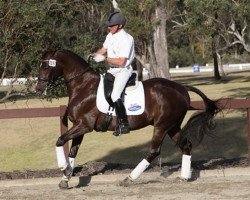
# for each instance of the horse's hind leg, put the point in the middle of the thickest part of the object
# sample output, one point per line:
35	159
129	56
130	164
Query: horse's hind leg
155	149
186	147
184	144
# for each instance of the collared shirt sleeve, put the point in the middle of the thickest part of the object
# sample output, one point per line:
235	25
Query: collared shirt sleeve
107	41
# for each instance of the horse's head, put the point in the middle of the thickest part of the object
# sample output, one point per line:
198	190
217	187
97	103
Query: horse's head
49	70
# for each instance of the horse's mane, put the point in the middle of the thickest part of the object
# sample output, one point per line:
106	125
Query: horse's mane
82	62
74	56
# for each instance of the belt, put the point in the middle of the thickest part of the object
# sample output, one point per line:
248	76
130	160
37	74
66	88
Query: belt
114	66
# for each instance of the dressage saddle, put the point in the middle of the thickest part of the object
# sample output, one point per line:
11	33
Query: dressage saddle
122	118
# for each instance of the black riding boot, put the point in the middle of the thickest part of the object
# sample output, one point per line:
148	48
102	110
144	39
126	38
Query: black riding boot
122	127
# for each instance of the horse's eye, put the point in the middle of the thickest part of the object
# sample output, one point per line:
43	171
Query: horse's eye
44	66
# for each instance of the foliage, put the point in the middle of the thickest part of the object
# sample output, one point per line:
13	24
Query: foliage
229	20
79	26
138	14
74	25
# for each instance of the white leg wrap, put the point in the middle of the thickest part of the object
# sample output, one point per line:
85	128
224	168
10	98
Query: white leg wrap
65	178
61	160
141	167
72	162
186	167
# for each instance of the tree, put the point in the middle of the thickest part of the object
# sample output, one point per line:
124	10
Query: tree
224	23
175	31
236	28
18	35
148	26
159	49
75	25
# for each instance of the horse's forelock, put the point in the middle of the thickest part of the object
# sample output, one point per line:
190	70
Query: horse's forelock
47	53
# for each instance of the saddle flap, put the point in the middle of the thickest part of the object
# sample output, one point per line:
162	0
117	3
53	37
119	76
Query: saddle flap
109	84
134	100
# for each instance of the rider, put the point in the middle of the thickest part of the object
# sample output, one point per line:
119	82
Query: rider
119	46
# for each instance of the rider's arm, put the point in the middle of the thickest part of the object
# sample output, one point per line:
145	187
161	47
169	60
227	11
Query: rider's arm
102	51
113	61
117	61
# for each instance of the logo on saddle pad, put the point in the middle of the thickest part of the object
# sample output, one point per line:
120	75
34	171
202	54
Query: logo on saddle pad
134	99
134	107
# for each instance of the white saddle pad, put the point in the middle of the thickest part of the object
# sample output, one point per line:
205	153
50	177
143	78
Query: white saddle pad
134	99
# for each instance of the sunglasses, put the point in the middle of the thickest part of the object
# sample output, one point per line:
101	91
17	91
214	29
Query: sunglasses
112	26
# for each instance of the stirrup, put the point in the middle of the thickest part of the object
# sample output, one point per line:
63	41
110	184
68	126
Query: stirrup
121	129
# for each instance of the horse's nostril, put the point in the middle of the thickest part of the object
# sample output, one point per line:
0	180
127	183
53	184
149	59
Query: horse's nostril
38	90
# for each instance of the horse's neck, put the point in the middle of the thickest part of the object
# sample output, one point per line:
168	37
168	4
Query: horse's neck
70	73
82	84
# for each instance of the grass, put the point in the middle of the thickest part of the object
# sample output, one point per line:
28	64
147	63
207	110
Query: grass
30	143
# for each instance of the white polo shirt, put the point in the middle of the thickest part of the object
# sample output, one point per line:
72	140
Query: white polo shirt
120	44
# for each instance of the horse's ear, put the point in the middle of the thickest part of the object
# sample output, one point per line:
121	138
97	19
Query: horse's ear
41	52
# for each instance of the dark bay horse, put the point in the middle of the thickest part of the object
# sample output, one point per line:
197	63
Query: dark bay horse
166	104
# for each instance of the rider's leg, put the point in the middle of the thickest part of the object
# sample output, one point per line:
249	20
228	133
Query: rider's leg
123	126
120	82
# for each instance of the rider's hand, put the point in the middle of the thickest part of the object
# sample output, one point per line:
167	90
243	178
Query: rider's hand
98	57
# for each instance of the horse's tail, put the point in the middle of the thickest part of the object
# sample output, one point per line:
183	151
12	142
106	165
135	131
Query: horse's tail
202	122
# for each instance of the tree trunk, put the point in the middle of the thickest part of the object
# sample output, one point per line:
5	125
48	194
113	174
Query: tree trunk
158	49
221	64
215	58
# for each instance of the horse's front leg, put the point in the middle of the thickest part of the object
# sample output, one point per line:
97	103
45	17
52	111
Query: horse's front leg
76	133
76	142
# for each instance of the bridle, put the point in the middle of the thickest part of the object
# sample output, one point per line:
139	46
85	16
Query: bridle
52	63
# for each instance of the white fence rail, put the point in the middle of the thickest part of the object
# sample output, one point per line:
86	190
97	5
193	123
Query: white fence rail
16	81
208	68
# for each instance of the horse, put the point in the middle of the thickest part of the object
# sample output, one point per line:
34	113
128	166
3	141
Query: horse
166	104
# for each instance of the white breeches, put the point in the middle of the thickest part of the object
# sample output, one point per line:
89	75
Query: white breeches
121	78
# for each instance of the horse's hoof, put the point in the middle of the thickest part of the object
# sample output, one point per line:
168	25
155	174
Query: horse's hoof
68	171
116	133
126	182
63	184
181	180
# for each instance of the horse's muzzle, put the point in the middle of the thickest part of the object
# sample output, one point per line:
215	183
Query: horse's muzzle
40	89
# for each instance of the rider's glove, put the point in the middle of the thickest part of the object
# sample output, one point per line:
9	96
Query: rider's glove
98	57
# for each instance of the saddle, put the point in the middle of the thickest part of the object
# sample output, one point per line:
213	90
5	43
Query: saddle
109	84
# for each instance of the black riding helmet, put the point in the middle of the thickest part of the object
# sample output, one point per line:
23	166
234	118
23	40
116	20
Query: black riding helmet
116	18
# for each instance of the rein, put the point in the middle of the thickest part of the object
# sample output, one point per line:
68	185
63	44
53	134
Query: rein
68	81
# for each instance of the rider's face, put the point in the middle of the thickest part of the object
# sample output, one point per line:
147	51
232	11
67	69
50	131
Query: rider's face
113	29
